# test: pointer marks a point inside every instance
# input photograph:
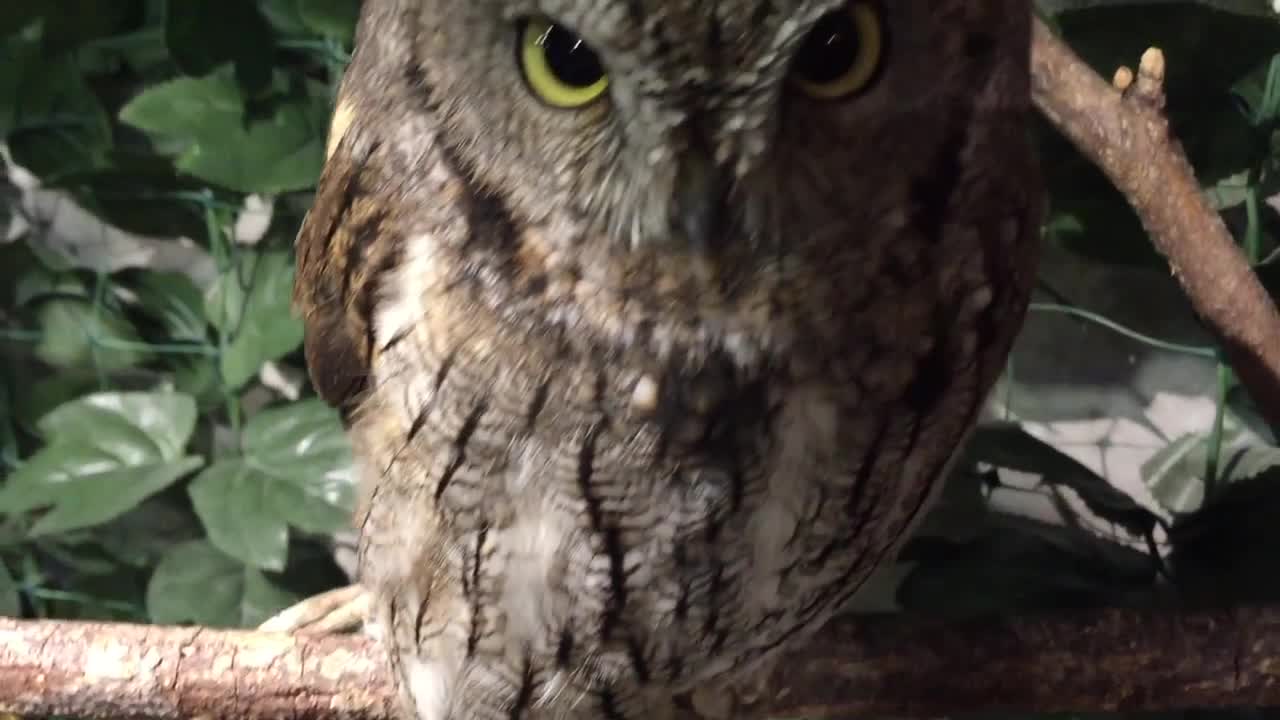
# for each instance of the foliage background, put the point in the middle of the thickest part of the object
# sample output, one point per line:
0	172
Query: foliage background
162	458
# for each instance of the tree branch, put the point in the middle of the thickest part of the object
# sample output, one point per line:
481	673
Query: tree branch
903	666
1121	128
106	670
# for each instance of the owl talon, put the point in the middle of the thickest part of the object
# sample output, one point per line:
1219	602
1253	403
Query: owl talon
342	610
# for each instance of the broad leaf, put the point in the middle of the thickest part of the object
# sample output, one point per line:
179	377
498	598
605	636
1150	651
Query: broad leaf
1259	93
174	300
166	419
1175	474
1008	445
296	471
106	453
204	122
1249	462
302	447
230	498
196	583
251	304
76	334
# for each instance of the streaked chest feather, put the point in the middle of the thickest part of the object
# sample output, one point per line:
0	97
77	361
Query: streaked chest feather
605	520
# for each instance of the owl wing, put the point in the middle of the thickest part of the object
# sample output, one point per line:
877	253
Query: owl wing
343	247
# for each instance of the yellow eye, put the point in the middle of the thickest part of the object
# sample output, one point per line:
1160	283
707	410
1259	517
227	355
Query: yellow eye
842	53
558	66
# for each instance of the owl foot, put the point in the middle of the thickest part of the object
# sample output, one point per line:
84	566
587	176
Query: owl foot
342	610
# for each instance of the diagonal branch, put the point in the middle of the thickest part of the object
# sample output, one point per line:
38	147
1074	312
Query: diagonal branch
1122	129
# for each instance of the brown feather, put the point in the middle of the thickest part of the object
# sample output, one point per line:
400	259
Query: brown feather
342	248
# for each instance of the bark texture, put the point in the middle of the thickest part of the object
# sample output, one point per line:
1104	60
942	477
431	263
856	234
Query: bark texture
901	666
1121	127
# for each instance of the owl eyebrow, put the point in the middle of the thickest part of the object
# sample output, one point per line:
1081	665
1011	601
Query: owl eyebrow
343	115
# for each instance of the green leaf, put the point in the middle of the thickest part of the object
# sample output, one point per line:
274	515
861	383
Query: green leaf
198	376
263	598
94	495
252	305
106	453
204	122
1229	191
76	334
296	471
187	111
1251	461
331	18
304	450
174	300
1007	445
196	583
231	499
165	419
1174	474
1259	92
10	603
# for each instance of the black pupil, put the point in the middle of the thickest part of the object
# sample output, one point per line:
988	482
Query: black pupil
569	58
830	50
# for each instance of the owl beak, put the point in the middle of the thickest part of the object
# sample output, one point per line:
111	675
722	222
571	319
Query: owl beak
700	203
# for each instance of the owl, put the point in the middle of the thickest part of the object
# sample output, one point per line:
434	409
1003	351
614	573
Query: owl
655	324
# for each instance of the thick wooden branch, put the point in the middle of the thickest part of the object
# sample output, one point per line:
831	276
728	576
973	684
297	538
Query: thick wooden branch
1121	127
859	666
101	670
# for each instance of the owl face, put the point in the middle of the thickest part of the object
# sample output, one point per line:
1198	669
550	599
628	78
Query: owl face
697	124
744	163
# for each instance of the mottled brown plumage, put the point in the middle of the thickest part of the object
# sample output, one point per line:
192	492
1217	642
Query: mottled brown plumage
643	390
